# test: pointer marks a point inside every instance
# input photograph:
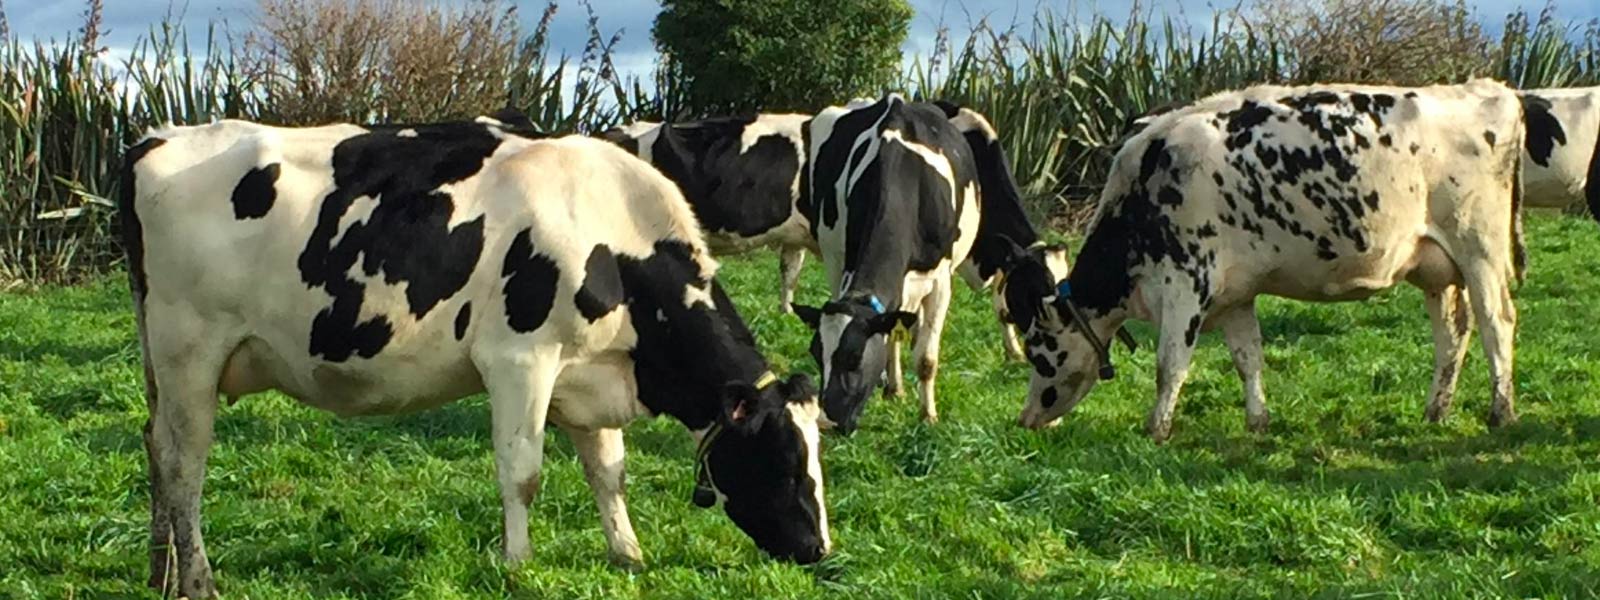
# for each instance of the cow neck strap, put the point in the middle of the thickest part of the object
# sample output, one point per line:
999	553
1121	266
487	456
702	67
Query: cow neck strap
704	492
705	495
1101	348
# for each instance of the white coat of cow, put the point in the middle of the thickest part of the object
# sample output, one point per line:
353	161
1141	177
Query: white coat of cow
1319	193
393	269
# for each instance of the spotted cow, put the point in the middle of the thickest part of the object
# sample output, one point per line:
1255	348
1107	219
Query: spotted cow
894	203
741	176
377	270
1320	193
1562	161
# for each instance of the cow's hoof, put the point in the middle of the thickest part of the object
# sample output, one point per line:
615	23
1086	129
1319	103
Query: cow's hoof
930	418
1436	413
893	393
1502	418
1258	424
631	563
1159	432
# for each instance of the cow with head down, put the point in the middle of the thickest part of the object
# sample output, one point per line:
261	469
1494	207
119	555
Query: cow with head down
1321	193
746	179
894	207
377	270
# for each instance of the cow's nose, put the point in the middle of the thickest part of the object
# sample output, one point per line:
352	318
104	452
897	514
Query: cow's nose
809	555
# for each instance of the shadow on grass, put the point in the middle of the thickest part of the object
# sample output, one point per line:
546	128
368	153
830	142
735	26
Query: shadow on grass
76	355
1489	462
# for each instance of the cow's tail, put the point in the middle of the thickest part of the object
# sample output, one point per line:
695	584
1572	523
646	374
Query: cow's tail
132	234
162	550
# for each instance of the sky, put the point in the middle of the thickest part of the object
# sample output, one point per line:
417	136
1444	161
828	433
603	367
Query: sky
129	19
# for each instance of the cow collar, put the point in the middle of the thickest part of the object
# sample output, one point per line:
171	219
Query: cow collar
705	493
1063	298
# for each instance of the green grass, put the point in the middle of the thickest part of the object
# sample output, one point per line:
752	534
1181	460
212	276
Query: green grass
1350	495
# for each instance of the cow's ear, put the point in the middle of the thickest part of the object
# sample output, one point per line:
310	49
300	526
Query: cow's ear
798	389
745	408
890	321
1014	253
811	315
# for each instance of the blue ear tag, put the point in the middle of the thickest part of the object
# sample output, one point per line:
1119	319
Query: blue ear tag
1064	289
876	305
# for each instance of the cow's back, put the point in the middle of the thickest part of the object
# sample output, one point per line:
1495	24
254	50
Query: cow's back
370	268
893	182
1319	191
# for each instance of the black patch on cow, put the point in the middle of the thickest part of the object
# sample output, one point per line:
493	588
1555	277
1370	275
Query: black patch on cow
1002	215
744	193
1592	187
1155	157
1041	365
1191	332
127	213
407	238
256	191
902	216
1386	140
1415	148
530	287
1169	196
602	285
1048	398
1488	136
1544	130
463	318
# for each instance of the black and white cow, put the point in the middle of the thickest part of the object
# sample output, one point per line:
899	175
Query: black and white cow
894	201
1003	220
391	269
1314	193
1562	163
741	176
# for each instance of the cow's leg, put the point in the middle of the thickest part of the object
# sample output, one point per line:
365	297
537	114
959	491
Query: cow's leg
519	401
1008	333
161	573
790	261
1496	314
1452	325
1243	334
1173	355
601	451
929	331
180	434
894	377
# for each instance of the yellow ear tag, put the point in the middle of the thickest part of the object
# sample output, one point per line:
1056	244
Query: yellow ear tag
765	380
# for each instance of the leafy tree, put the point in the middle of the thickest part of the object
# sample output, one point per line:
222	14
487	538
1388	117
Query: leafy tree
778	55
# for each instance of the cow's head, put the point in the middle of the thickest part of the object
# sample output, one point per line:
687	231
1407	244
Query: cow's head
1066	348
850	343
762	458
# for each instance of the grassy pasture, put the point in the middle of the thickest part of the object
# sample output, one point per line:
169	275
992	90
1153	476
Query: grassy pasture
1351	494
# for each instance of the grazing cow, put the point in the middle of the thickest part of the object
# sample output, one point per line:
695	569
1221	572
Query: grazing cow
1562	164
741	176
894	203
1314	193
392	269
1003	220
